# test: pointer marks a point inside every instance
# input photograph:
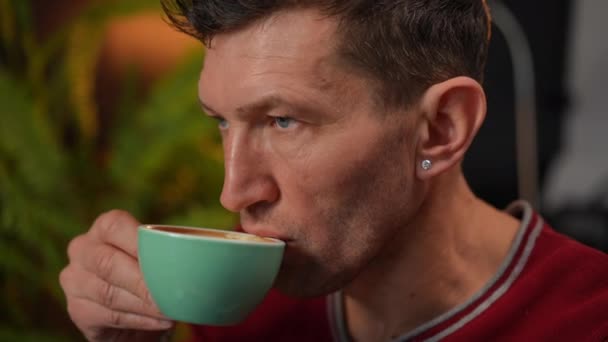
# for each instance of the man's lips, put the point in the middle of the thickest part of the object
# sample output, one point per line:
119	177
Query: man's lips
261	232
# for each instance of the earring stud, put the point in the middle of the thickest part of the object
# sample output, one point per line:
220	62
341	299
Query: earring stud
426	164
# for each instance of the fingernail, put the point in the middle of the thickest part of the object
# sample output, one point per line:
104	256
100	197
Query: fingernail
165	324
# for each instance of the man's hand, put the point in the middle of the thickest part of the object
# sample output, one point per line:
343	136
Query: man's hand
106	295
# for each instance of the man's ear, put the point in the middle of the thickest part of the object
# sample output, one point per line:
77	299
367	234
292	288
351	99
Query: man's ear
452	112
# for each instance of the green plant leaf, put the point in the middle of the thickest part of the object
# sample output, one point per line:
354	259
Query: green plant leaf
26	142
11	334
169	145
164	161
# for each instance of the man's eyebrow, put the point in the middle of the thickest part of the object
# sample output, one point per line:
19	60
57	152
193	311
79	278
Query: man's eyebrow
264	103
207	108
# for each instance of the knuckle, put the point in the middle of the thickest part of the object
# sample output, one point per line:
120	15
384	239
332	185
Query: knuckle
64	278
110	215
116	318
104	262
74	247
74	309
107	294
107	221
112	221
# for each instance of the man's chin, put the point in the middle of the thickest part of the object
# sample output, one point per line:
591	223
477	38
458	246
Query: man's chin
299	291
305	284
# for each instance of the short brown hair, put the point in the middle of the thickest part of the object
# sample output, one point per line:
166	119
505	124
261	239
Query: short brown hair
405	45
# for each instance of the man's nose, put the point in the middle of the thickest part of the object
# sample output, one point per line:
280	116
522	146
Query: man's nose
247	179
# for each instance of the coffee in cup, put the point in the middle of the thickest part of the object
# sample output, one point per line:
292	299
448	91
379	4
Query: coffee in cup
213	233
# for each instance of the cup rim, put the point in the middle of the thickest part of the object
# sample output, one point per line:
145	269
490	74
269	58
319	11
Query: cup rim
150	228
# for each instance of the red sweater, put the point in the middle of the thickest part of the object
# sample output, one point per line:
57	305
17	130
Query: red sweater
550	288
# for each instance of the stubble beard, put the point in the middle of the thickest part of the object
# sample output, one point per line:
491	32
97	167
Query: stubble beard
358	225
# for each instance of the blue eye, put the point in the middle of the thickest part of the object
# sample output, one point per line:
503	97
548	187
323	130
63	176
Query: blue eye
283	122
222	123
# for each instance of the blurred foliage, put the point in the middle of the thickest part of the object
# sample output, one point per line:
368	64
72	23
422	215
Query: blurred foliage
163	162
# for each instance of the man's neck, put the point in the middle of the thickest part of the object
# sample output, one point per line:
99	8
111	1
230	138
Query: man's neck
448	253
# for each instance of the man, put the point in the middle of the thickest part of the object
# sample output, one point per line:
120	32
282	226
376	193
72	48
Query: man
344	125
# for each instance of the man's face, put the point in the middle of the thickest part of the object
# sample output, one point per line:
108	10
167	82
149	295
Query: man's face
310	157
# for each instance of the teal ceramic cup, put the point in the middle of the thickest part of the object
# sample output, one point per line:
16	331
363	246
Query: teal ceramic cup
207	276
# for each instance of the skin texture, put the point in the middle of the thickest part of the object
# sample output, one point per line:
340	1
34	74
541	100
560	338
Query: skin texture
313	158
335	201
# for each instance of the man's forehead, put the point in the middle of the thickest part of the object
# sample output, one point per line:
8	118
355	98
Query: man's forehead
292	54
288	34
293	43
